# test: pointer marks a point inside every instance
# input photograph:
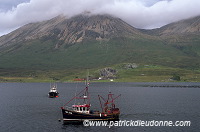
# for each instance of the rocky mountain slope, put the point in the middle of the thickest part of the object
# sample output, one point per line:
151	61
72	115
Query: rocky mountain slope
183	27
72	30
183	35
188	26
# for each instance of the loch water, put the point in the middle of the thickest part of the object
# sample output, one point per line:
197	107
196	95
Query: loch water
25	107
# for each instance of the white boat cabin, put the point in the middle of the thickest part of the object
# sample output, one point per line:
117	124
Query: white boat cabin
53	89
81	108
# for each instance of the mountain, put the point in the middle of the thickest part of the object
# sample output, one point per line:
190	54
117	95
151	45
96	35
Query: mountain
97	41
183	35
72	30
36	45
183	27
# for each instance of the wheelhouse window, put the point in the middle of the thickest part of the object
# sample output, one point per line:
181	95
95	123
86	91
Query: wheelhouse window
84	109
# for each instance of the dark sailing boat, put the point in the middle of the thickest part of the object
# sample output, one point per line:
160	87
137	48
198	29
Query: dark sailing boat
80	112
53	93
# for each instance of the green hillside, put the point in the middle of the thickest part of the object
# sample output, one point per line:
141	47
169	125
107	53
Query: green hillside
40	61
94	54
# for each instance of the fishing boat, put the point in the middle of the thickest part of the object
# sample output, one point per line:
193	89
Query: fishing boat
53	93
77	113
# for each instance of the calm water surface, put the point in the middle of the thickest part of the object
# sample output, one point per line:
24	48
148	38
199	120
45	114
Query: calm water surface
25	107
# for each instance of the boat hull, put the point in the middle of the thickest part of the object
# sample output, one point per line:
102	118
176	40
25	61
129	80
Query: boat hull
53	94
70	116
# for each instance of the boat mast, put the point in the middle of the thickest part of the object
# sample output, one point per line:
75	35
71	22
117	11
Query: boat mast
86	94
110	100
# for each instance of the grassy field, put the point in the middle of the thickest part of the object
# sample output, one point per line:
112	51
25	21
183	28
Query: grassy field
143	73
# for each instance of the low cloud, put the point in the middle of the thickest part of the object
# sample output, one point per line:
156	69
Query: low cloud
138	13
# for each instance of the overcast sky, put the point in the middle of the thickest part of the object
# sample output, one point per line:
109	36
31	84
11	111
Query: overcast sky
144	14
